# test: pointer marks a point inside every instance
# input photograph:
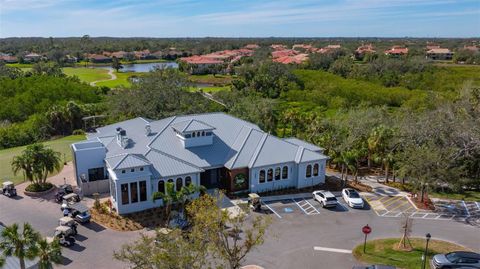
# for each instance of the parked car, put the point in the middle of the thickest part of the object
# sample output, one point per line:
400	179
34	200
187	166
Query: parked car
8	189
326	198
374	266
456	259
62	191
352	198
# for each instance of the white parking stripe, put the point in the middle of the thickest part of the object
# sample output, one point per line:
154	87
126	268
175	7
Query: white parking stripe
466	208
271	209
338	250
306	206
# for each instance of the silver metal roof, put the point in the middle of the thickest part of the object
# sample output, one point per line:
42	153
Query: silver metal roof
191	126
236	144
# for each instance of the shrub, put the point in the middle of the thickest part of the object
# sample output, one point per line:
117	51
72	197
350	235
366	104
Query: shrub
78	132
35	187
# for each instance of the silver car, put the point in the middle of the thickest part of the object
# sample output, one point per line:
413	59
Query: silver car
456	259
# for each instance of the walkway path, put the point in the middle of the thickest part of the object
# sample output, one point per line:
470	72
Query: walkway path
112	77
209	96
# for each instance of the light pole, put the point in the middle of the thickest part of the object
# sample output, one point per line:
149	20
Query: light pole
428	236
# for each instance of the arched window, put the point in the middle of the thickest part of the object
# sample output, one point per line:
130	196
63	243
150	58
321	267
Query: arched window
161	186
315	170
270	175
308	172
285	172
262	176
193	134
198	134
179	184
203	133
277	173
188	181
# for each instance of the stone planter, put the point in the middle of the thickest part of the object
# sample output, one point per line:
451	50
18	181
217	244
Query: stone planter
39	194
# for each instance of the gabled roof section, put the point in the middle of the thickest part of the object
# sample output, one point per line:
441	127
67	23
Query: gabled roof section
309	156
126	161
191	126
246	150
302	143
166	165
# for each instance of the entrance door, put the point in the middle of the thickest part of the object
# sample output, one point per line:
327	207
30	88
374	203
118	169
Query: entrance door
210	179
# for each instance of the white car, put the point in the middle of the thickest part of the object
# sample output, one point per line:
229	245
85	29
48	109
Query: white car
352	198
326	198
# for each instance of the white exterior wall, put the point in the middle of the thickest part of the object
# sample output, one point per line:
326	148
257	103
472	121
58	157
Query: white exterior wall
87	156
128	178
290	181
303	181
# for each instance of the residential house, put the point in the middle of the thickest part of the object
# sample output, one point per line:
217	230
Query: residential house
201	65
361	51
295	59
133	159
98	58
278	47
70	59
142	55
118	54
5	58
439	54
32	57
432	46
397	51
471	48
251	46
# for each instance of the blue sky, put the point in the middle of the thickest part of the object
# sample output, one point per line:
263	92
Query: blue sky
240	18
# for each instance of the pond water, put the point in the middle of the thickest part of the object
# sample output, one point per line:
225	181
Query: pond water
145	67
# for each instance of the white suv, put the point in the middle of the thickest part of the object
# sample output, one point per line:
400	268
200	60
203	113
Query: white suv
326	198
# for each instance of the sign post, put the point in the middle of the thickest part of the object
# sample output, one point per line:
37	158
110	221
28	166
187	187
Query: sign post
366	230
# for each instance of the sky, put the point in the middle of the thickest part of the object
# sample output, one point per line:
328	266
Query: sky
240	18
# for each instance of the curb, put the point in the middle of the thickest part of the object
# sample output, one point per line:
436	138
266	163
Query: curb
39	194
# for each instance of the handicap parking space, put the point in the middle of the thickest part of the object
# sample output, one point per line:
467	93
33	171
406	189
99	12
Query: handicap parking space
283	208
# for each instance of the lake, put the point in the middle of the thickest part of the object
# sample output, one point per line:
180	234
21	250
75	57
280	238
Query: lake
146	67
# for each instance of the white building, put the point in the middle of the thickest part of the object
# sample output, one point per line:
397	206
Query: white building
135	158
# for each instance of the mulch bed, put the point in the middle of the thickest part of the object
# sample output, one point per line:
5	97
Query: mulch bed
426	205
151	218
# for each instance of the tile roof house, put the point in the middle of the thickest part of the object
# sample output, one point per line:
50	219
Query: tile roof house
397	51
439	54
8	59
364	49
98	58
32	57
135	158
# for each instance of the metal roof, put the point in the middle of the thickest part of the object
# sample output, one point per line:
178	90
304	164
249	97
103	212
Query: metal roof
236	144
191	126
302	143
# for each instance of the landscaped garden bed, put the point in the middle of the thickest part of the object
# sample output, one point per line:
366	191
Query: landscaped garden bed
386	251
151	218
37	190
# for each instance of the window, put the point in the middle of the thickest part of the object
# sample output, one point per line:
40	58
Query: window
270	175
141	168
188	181
198	134
262	176
113	190
124	188
208	134
203	133
133	192
161	186
315	170
277	173
179	184
143	191
308	172
285	172
96	174
132	170
193	134
123	171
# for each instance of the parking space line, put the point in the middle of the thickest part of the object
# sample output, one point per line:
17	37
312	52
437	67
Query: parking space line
338	250
386	200
466	208
271	209
393	201
400	205
306	206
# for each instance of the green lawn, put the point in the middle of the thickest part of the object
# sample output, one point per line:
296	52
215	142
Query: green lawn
122	80
19	65
467	195
211	79
61	145
87	74
383	251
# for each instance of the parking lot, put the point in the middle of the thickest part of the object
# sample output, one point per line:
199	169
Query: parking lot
399	206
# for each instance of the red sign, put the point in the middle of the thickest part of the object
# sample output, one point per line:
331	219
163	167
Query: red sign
366	229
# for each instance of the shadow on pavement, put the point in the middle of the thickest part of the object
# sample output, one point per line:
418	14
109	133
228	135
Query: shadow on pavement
386	191
80	237
94	227
77	248
338	208
66	261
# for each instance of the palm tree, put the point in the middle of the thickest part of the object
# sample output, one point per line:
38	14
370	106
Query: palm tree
2	261
21	245
36	162
48	253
